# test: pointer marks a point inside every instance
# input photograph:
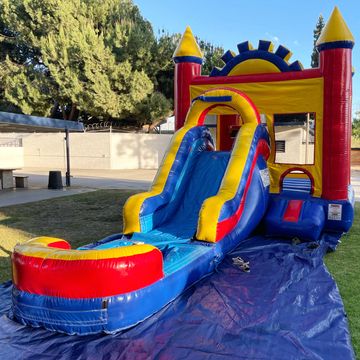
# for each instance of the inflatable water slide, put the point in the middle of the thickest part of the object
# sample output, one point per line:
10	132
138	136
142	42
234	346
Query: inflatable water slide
275	168
200	205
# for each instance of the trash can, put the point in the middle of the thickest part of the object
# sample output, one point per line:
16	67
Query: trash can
55	180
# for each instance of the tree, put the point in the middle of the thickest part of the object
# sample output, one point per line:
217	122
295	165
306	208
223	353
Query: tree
212	56
164	77
80	58
356	126
87	59
166	46
317	31
155	110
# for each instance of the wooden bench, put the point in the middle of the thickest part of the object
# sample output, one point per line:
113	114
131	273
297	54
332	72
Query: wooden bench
21	181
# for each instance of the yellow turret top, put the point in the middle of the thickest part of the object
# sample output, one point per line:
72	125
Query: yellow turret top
188	47
335	30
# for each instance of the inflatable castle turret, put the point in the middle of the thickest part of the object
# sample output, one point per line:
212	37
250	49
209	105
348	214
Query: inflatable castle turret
188	60
335	47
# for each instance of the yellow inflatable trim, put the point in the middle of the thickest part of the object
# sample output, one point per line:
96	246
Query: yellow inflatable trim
39	248
188	46
335	29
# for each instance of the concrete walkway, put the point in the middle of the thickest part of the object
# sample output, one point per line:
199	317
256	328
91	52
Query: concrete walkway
91	180
22	196
355	182
81	181
94	179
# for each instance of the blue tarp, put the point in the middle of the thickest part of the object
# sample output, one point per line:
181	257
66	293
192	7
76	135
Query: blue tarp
287	307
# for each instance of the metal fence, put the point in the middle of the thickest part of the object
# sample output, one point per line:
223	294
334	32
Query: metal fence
11	142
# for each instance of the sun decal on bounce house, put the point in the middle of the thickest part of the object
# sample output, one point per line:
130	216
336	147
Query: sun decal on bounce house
256	61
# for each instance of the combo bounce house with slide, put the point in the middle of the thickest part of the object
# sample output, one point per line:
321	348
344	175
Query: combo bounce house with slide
261	152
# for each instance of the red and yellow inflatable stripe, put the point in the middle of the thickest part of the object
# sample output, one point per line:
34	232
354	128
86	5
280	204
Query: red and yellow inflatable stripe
48	266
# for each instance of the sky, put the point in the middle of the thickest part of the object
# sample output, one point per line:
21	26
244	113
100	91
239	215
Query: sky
227	23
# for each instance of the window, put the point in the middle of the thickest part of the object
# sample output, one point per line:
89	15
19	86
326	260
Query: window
294	138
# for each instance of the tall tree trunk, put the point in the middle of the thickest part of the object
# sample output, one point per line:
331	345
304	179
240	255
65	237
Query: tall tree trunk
69	115
72	112
155	123
54	109
63	112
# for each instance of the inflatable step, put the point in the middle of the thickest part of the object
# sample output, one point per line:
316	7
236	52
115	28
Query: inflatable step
303	219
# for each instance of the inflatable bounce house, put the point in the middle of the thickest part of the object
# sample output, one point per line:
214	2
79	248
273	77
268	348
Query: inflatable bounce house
279	165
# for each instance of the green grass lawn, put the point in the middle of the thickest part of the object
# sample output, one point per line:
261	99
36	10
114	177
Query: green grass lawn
79	219
85	218
344	265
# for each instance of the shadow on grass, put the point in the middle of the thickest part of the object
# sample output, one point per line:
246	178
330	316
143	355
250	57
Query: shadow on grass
6	251
78	219
5	265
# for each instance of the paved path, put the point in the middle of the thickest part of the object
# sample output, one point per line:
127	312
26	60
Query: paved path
81	181
355	181
90	180
22	196
95	179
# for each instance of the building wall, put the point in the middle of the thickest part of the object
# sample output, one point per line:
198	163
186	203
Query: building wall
11	157
94	150
295	148
138	151
48	151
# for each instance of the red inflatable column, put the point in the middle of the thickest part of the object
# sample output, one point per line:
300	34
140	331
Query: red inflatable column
335	46
188	59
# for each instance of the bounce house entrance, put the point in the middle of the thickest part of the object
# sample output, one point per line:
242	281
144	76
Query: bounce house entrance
297	181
